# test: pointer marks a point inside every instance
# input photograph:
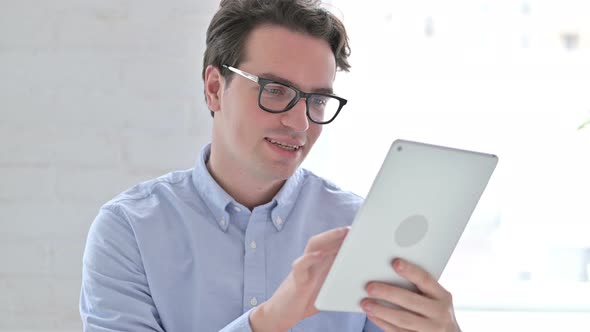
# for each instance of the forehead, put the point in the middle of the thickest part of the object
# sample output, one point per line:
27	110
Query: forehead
305	60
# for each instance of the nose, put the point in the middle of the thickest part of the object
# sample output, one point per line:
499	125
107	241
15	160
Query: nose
296	117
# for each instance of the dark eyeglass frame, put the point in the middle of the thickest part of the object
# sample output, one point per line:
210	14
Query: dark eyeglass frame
262	82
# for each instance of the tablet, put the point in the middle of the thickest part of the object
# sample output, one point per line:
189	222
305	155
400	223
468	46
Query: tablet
416	209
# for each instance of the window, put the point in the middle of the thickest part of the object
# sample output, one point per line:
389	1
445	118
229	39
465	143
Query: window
505	77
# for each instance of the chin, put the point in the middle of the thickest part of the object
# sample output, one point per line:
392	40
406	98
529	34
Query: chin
283	172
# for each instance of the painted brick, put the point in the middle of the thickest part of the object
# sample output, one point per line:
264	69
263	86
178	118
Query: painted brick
46	219
96	96
166	152
30	185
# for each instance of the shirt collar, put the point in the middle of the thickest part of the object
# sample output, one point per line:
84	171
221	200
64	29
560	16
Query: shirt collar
217	200
211	193
285	199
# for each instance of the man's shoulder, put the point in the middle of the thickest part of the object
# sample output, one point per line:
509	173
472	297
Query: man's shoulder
325	187
173	184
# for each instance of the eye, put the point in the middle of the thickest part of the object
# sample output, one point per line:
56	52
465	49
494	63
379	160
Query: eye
274	90
319	100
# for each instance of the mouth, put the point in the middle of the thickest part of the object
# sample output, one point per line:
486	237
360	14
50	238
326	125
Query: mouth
283	145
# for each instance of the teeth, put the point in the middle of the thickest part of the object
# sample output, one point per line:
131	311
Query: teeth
285	145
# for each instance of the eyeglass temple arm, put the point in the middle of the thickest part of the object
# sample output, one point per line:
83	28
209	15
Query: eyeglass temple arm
242	73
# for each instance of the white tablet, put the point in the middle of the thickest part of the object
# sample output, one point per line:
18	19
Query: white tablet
416	209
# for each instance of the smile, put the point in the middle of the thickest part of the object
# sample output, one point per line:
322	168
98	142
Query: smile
284	145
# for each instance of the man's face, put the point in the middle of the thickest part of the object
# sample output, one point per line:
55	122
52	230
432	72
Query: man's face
257	143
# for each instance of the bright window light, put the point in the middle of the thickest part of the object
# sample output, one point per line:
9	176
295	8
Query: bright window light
505	77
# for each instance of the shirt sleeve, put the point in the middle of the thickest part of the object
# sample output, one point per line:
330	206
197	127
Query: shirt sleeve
115	295
371	327
240	324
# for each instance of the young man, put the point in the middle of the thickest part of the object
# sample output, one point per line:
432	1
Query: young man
243	241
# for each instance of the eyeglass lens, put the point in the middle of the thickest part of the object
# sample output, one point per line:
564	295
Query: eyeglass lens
278	97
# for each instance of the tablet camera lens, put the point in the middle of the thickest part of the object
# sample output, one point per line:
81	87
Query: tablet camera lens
399	148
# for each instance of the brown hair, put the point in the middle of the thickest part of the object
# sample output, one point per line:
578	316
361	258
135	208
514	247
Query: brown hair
235	19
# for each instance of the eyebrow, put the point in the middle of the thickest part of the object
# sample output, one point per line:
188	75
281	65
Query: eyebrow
288	82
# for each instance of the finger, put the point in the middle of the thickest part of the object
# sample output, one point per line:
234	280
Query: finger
329	239
404	298
422	279
396	317
301	267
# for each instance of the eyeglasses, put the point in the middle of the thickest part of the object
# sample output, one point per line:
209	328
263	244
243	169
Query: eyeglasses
277	97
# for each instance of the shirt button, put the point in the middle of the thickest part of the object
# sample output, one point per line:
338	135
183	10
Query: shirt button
237	209
279	221
253	302
223	222
253	244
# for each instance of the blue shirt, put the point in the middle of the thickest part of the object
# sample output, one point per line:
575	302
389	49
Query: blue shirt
177	253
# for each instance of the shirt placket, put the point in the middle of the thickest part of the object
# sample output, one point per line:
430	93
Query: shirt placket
255	261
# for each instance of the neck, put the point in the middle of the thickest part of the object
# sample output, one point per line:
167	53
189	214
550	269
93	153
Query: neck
242	187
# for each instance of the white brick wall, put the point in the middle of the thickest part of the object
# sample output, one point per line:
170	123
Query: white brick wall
95	96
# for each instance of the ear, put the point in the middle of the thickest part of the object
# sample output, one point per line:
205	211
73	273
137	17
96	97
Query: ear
214	83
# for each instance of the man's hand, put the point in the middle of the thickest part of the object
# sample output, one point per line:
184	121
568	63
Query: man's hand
295	297
430	311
